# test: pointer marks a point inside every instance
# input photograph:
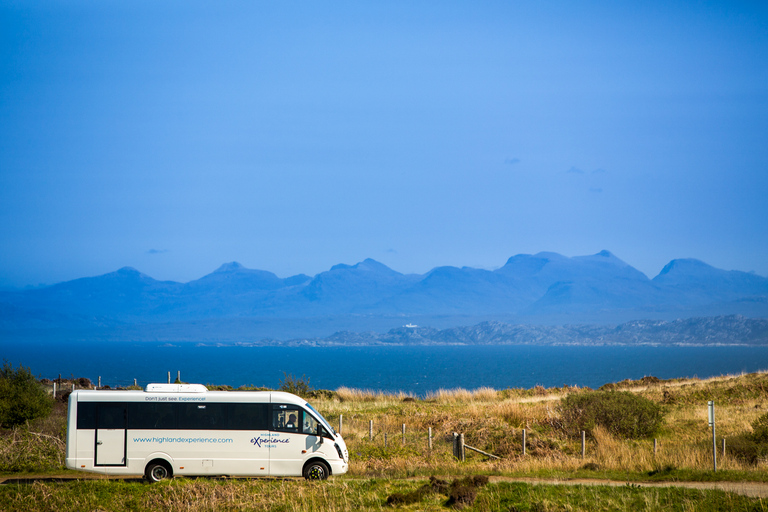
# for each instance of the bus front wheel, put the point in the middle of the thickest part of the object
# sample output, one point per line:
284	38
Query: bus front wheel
157	471
316	470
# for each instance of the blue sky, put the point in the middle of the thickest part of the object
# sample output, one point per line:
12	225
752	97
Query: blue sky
291	136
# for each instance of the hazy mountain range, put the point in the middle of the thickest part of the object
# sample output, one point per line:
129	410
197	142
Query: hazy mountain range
234	303
720	330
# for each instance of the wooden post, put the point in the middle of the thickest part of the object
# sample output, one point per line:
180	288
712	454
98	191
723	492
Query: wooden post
99	386
403	433
523	441
583	444
385	439
654	446
461	447
341	422
456	445
723	447
370	430
711	417
467	447
429	438
54	390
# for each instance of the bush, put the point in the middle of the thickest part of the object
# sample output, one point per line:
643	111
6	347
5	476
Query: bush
760	429
22	398
22	450
291	384
622	413
751	448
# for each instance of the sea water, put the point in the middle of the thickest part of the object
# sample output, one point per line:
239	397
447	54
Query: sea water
412	369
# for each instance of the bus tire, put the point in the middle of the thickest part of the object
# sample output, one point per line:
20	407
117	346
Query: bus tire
157	471
316	470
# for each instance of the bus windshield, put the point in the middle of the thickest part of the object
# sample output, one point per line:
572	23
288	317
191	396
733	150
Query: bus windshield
321	418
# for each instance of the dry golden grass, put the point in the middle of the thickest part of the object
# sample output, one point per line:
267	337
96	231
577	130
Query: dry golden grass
459	395
346	394
492	421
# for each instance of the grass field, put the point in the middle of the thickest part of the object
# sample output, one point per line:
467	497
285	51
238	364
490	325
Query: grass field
491	420
351	494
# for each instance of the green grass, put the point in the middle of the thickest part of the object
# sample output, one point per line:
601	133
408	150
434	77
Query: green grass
198	495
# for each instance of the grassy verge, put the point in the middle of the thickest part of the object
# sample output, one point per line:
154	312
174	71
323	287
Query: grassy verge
198	495
493	420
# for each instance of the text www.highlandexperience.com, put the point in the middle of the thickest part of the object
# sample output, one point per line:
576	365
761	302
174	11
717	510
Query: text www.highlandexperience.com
161	440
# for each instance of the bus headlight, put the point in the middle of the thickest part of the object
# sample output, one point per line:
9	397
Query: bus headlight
338	450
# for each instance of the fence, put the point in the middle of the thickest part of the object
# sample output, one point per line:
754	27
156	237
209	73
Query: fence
457	440
60	386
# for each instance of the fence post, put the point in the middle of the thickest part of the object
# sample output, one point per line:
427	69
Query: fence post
403	433
723	448
370	430
461	447
456	445
711	417
583	444
99	385
54	390
341	422
654	446
523	441
385	439
429	438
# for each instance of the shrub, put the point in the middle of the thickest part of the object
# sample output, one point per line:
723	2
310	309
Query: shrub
760	429
751	448
22	398
297	386
621	413
22	450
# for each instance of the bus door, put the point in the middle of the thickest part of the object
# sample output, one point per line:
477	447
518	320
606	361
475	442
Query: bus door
293	439
110	435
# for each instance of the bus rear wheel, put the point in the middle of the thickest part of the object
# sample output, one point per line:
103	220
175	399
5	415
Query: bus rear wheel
316	470
157	471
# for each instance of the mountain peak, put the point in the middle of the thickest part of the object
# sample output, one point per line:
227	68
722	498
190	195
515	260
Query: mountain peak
229	267
368	264
684	265
128	271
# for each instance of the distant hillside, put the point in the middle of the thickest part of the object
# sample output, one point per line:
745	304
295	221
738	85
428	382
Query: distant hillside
234	303
723	330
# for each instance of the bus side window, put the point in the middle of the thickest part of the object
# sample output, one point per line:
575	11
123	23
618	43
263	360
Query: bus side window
208	416
285	419
86	415
249	416
309	425
110	416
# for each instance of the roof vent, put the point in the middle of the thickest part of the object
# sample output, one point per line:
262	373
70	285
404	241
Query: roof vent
175	388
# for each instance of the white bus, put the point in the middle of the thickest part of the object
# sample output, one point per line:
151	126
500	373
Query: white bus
184	429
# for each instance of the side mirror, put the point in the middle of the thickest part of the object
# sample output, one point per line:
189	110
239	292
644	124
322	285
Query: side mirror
320	432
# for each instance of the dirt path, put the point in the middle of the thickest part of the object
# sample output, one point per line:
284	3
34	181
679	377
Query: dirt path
750	489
